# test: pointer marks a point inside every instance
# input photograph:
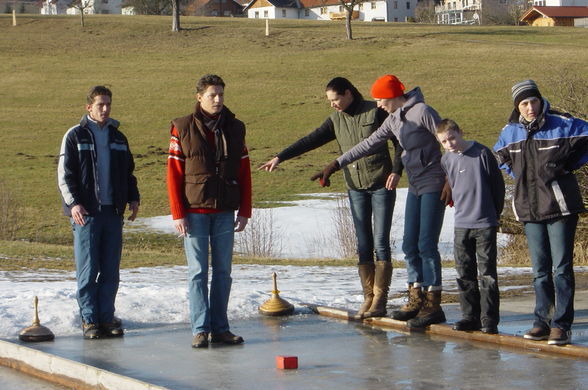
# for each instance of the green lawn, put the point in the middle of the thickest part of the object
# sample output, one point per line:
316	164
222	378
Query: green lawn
275	85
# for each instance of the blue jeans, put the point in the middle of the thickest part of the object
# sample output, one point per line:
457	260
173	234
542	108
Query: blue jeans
475	258
380	204
551	246
97	250
423	220
217	230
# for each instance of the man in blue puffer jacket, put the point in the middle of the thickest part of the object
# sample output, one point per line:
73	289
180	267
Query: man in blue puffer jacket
540	149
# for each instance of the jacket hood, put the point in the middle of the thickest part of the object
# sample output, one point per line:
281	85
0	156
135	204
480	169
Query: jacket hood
413	97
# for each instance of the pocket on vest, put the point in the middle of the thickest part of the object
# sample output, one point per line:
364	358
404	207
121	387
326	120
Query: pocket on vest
231	194
195	190
212	192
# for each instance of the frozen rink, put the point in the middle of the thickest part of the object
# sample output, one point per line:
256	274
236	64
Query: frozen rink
332	354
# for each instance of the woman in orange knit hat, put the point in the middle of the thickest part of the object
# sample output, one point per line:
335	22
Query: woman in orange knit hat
414	124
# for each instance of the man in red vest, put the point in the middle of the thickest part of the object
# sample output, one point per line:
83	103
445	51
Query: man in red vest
209	178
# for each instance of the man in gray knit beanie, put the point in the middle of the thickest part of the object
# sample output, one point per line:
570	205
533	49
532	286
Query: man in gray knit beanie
524	90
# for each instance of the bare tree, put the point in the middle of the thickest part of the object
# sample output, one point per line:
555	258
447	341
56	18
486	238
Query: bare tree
516	9
349	5
344	229
176	15
82	6
425	11
261	238
571	92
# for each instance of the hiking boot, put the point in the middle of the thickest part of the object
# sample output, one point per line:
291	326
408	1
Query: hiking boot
489	329
430	313
112	329
117	321
200	340
91	331
537	334
467	325
226	338
382	279
559	336
412	307
366	276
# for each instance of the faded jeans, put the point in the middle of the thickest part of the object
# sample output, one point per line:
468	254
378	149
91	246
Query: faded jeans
209	314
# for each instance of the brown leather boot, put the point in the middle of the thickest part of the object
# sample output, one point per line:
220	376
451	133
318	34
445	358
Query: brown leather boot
412	307
430	313
382	279
366	276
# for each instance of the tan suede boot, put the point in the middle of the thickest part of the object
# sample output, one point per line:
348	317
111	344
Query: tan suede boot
366	276
430	313
382	279
412	307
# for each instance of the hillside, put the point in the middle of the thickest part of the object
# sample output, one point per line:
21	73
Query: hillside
275	85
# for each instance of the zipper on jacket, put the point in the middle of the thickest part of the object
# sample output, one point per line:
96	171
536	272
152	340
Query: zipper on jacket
95	170
531	176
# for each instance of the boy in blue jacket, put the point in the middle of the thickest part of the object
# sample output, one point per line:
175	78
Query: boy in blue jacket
540	149
477	187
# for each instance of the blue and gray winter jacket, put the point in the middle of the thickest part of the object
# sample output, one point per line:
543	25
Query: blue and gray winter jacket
542	162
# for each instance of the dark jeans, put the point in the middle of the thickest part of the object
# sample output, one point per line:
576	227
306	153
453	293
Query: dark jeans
423	220
551	246
97	250
475	254
379	205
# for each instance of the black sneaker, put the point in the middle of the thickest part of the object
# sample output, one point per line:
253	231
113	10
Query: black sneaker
226	338
489	329
559	336
112	329
200	340
91	331
467	325
537	334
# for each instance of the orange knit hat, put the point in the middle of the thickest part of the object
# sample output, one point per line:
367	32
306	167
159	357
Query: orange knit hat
387	87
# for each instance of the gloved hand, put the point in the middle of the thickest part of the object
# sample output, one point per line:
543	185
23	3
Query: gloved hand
324	175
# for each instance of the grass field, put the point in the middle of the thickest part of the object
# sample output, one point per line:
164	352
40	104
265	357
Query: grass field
275	85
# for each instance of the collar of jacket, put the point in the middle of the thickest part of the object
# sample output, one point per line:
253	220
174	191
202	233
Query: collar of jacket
515	115
353	107
110	122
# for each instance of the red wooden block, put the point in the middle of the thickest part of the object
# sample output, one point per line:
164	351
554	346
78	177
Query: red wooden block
287	362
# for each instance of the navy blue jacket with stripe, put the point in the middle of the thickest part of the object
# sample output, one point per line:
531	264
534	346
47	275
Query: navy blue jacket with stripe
77	171
542	164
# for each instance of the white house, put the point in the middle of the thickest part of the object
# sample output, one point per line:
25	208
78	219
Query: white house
54	7
58	7
559	3
378	10
459	11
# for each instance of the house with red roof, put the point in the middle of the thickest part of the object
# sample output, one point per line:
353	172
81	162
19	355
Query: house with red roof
556	16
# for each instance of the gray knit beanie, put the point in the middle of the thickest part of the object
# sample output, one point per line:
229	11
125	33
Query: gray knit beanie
524	90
